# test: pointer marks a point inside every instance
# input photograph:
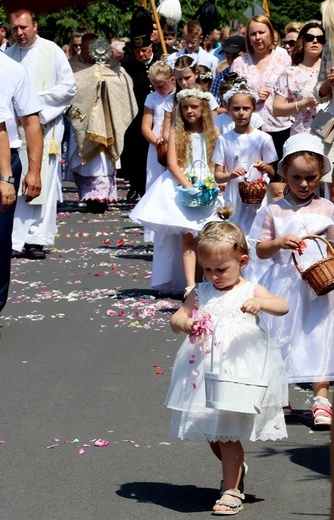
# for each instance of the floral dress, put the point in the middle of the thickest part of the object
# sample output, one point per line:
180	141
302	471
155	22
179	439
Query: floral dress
294	84
240	346
245	67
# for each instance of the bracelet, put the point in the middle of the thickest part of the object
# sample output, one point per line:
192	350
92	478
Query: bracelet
297	107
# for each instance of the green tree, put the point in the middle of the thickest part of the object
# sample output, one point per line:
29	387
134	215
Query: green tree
284	11
114	17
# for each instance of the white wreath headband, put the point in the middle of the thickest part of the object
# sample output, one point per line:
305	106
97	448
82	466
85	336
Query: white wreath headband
193	92
192	64
240	88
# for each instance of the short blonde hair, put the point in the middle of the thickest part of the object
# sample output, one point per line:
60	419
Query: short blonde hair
293	27
260	19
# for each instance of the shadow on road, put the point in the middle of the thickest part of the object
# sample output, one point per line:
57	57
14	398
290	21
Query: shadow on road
314	458
185	499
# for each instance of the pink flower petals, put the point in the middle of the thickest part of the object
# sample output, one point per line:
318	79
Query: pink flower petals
100	443
81	451
202	330
110	312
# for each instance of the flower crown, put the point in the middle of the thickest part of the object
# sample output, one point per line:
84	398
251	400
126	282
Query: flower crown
208	75
193	92
240	88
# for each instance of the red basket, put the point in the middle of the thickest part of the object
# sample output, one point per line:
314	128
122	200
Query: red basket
252	192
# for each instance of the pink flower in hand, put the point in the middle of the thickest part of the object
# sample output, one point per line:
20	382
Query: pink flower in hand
202	330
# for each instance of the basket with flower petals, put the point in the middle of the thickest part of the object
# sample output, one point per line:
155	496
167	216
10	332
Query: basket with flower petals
252	192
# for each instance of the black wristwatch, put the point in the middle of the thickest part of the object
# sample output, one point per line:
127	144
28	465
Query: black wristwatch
7	178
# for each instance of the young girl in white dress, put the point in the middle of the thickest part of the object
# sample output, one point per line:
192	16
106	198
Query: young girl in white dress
223	121
306	335
163	81
239	149
161	210
240	351
186	76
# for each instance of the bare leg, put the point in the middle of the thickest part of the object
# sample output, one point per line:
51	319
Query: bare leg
216	449
321	389
189	258
232	456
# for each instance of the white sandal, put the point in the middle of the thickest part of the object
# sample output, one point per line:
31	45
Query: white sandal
235	503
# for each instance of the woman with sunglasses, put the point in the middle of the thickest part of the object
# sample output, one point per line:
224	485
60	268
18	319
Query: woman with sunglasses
294	88
291	32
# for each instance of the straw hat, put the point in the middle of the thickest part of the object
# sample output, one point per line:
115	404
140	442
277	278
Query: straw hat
304	143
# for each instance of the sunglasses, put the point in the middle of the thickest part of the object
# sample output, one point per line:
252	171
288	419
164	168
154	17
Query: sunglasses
291	43
308	37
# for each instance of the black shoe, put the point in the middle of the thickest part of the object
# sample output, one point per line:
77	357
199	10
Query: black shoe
132	196
34	252
96	206
17	254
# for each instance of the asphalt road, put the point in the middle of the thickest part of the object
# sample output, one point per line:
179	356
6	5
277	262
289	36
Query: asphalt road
86	353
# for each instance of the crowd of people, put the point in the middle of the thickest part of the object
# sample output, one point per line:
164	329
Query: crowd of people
200	120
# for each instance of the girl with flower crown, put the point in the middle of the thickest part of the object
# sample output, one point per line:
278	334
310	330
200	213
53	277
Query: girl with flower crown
187	75
226	307
243	150
192	139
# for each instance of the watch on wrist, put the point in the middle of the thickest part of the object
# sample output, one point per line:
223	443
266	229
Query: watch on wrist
7	178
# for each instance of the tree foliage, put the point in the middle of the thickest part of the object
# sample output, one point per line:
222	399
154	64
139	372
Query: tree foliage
105	18
284	11
113	18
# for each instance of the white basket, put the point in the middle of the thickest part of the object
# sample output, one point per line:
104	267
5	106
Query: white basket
233	393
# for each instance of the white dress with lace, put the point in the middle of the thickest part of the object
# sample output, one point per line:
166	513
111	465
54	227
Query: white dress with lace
161	209
241	346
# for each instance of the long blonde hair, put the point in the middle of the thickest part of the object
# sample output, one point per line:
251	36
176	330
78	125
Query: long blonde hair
183	136
327	9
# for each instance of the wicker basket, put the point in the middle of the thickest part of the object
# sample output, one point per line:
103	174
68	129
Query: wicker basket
320	276
252	192
203	196
233	393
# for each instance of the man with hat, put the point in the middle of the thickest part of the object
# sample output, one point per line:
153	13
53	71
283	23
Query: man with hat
233	47
138	57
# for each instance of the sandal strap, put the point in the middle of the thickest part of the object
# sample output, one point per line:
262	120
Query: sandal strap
320	409
234	493
230	503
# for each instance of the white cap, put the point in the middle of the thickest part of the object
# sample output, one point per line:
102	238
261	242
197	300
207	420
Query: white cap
304	143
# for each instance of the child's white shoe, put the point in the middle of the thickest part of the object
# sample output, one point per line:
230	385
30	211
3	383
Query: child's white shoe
322	411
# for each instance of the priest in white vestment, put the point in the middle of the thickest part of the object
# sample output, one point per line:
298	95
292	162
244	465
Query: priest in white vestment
49	70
